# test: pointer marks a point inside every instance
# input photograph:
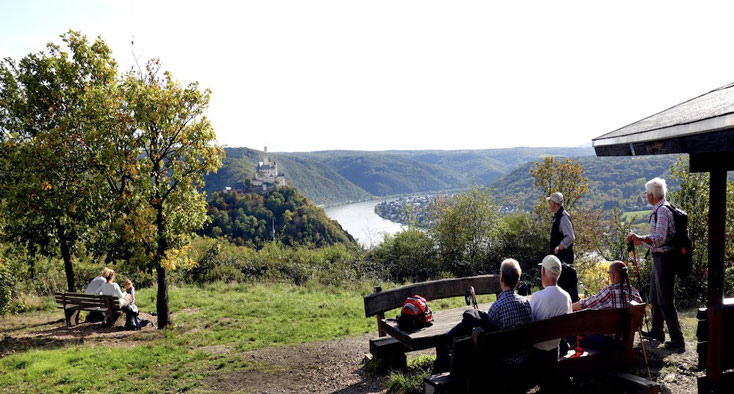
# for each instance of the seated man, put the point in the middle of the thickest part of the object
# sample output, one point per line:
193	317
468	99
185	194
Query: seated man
611	296
550	302
616	295
507	312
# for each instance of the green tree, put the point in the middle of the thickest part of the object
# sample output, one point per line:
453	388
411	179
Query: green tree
692	196
49	107
565	176
464	228
176	148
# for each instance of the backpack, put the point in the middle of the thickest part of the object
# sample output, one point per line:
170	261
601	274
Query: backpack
415	314
681	242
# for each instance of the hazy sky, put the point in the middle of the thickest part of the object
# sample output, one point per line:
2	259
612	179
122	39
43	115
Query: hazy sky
375	75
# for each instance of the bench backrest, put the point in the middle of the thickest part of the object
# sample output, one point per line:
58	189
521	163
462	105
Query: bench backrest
622	321
87	300
727	340
383	301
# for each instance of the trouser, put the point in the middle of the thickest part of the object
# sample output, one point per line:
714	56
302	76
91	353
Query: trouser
542	364
470	319
662	297
131	317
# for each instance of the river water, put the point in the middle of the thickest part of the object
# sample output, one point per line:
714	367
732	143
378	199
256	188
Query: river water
360	220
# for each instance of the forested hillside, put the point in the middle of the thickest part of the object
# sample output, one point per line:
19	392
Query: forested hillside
613	182
318	183
330	177
250	219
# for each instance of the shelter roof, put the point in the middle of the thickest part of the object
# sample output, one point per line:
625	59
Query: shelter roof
701	124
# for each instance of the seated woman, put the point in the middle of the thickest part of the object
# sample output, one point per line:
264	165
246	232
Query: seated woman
132	322
93	288
110	288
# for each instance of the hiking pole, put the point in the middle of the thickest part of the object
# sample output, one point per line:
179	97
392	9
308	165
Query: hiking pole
626	278
471	297
631	247
644	353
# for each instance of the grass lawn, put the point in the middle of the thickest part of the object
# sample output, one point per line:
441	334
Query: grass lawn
238	317
636	215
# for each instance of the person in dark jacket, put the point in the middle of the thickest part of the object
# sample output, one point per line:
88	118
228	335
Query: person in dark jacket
562	238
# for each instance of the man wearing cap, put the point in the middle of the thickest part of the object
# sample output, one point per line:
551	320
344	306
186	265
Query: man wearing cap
562	238
545	304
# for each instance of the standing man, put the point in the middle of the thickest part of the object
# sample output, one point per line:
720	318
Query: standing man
562	238
662	275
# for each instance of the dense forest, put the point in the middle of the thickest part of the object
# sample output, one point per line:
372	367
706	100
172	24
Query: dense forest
282	214
613	182
317	182
332	177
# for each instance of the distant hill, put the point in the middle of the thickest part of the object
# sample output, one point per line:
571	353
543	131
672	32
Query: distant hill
331	177
613	182
318	183
250	219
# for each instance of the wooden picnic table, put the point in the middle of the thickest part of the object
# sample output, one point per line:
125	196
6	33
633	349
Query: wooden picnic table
444	320
393	343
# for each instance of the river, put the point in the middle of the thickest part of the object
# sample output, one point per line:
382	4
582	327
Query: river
361	221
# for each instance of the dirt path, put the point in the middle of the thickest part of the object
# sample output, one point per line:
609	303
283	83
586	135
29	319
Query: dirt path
318	367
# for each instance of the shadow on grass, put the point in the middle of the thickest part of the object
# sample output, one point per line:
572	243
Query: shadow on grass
54	334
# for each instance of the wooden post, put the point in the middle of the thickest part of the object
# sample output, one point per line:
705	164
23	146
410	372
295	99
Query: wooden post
715	295
380	316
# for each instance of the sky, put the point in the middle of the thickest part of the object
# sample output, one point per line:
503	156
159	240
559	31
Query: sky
380	75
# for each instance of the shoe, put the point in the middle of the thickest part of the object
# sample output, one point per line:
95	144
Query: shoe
657	337
676	346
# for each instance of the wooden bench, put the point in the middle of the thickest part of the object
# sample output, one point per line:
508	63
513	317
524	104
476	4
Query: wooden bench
473	356
727	345
392	349
73	303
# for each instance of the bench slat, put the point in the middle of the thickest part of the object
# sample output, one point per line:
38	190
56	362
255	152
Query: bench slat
608	321
384	301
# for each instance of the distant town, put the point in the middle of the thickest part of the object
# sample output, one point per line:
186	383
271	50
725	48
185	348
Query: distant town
410	210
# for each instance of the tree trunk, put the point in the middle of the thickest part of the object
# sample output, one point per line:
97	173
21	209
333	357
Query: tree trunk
162	297
66	255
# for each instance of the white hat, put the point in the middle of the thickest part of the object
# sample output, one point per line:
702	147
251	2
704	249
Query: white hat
552	264
556	198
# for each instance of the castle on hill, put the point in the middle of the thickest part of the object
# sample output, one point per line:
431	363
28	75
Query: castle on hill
266	174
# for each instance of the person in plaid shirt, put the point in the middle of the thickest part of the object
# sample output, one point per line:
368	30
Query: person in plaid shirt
611	296
507	312
662	274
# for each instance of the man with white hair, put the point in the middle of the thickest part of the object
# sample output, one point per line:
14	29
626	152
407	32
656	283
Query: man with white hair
662	275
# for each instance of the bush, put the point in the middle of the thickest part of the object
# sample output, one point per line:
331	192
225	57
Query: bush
7	283
409	255
592	274
525	238
218	259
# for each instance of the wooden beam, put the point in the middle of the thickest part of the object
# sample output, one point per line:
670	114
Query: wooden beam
715	293
709	162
